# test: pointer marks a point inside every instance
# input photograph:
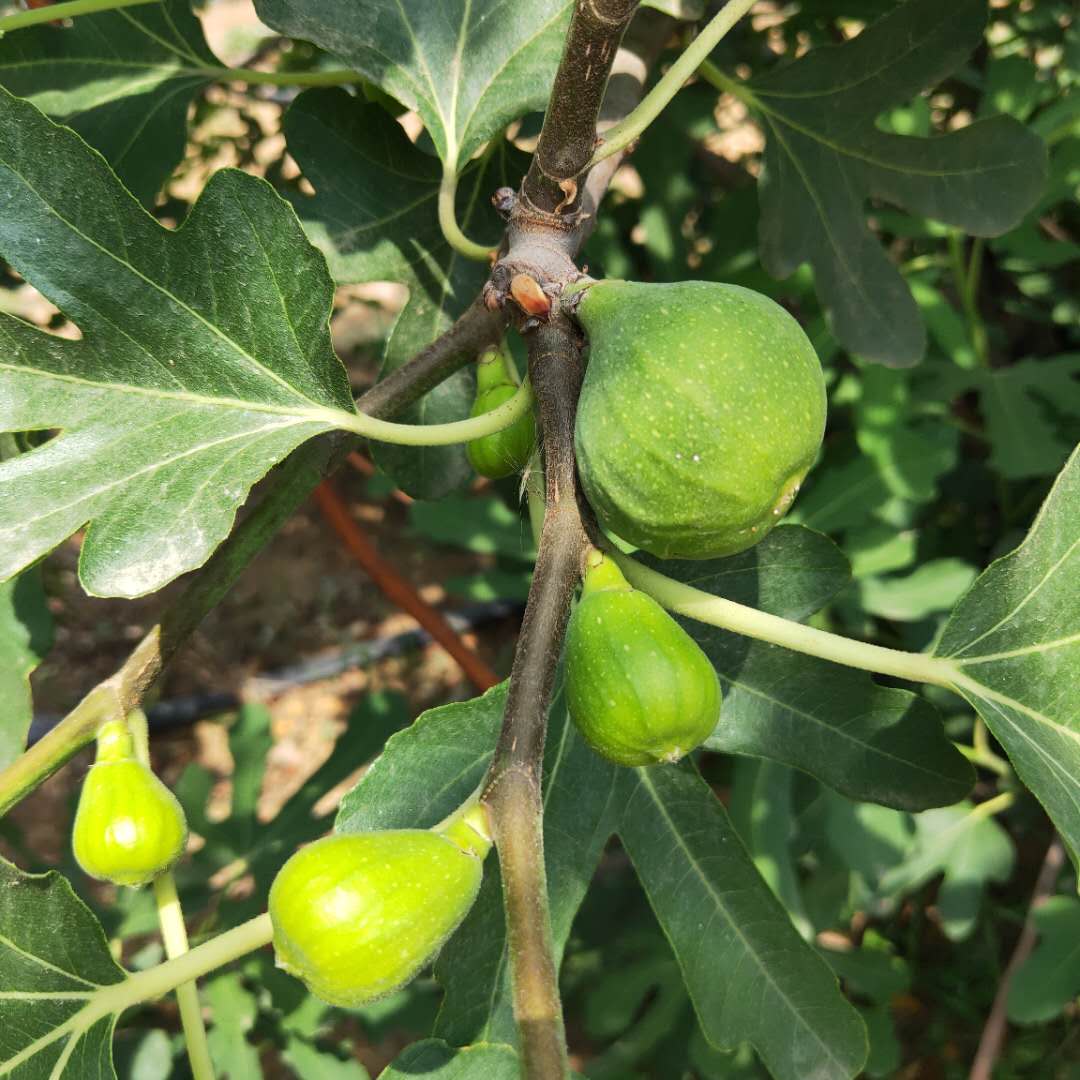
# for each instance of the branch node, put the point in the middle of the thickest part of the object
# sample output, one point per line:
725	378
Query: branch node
504	199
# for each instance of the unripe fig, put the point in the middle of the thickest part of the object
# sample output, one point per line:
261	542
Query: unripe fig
702	409
129	827
357	915
507	451
638	687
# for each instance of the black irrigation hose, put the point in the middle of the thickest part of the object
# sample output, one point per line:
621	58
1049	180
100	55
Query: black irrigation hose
182	711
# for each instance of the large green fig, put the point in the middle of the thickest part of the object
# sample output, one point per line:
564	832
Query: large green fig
129	826
702	409
507	451
639	688
357	915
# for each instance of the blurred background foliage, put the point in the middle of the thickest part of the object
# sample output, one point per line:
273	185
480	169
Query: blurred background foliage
927	474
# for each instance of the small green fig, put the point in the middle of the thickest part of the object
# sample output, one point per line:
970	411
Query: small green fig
357	915
702	409
639	688
129	827
507	451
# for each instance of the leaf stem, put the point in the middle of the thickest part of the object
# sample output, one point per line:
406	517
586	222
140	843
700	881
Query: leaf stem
966	276
174	932
476	329
448	220
153	983
336	77
717	611
457	431
993	806
174	936
626	131
68	10
159	980
987	760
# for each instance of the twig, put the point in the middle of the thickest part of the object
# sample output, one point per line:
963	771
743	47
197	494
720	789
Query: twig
398	589
367	468
568	136
512	789
124	690
476	328
543	244
642	45
993	1035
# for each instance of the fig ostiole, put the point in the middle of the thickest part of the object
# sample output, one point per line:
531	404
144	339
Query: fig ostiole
639	688
357	915
703	407
129	827
505	452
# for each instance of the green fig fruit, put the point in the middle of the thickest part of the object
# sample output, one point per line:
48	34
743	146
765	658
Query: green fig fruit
357	915
702	409
129	827
508	451
638	687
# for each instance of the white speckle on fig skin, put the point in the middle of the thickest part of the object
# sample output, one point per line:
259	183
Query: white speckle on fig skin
640	688
750	404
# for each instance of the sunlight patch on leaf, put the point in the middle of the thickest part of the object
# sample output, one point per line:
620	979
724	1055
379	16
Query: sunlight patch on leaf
1015	640
468	67
205	359
53	961
825	158
124	80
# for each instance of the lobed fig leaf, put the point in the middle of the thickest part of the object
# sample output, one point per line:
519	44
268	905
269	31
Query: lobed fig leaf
129	827
638	687
357	915
703	408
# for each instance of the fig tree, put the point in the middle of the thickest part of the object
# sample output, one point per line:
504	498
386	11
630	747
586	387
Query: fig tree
702	409
357	915
129	827
639	688
504	452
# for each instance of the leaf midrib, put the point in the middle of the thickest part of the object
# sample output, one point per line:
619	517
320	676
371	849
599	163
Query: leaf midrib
1026	650
825	220
1011	615
24	522
141	28
840	732
316	413
216	331
645	781
842	150
964	682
